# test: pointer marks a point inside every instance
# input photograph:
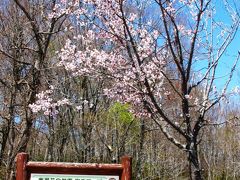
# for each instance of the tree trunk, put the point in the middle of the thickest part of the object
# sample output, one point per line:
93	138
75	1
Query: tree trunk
51	139
194	163
141	148
3	143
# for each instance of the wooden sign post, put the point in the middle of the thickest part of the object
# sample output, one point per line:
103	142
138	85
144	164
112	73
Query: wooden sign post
29	170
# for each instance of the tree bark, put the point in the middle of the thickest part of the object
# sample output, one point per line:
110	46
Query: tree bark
194	163
141	148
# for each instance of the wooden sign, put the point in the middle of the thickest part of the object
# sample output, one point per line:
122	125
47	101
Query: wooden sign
71	177
29	170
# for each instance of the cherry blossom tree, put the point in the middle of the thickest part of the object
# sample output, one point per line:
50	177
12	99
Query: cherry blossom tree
151	51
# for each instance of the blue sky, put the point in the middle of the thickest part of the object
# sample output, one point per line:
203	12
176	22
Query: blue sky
229	57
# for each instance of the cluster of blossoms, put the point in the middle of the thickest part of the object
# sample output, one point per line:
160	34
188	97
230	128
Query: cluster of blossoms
64	7
46	104
235	91
184	31
175	6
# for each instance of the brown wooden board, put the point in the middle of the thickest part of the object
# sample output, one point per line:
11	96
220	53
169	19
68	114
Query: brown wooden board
26	168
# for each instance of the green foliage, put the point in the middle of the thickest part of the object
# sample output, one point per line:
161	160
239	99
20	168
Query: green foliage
121	113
